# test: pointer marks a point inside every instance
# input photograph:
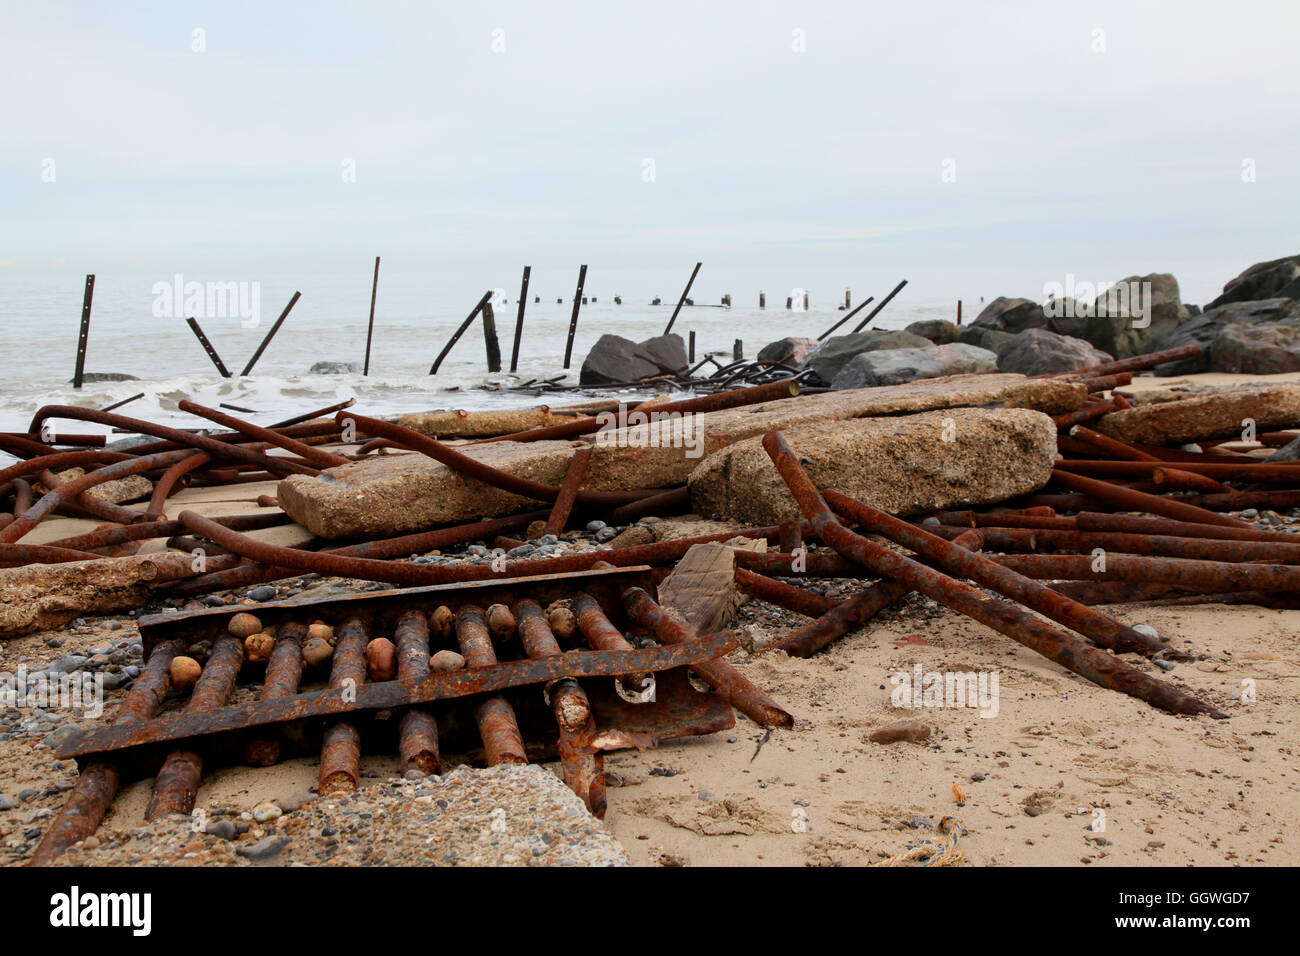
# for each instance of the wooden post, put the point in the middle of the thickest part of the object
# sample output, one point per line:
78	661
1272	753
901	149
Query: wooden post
738	350
370	329
685	292
959	311
459	332
848	298
207	347
84	337
762	300
573	319
805	301
519	319
691	356
863	304
884	302
271	334
490	338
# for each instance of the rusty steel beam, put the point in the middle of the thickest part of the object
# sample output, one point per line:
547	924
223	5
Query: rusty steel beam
1057	645
340	755
502	742
418	731
577	470
727	682
283	675
99	780
1102	630
178	780
317	457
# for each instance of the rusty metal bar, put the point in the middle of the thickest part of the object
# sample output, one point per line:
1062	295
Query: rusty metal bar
1069	651
98	781
577	470
164	486
340	755
1140	501
1109	446
573	319
207	347
1102	630
1183	572
418	742
883	302
84	336
674	502
316	456
727	682
784	595
1135	364
283	675
455	336
519	320
1086	414
370	326
1282	473
178	781
502	742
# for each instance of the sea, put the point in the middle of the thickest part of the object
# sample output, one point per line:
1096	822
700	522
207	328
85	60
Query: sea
138	328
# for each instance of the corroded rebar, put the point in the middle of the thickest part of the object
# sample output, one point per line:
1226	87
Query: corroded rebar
502	742
283	675
340	756
577	470
418	731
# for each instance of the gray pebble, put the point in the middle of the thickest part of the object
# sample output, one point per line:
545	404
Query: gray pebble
606	534
267	849
28	794
264	593
224	829
6	803
594	526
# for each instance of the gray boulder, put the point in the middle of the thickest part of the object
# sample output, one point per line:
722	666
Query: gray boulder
1279	279
1205	328
896	366
938	331
791	350
1130	317
335	368
831	356
1067	316
668	352
1265	349
985	337
1011	315
1040	352
616	359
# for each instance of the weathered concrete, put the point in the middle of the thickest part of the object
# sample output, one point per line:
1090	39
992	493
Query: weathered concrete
116	492
394	494
904	465
1208	416
458	423
40	597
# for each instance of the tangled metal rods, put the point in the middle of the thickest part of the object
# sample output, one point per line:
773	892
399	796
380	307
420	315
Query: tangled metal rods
547	670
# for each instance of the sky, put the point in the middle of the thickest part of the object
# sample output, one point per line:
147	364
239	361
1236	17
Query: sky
977	148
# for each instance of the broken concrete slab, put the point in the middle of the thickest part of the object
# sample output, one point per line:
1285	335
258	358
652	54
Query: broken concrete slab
119	491
400	493
39	597
701	589
905	465
1218	414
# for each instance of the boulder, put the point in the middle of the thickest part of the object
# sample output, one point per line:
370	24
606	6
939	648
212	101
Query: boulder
335	368
938	331
895	366
614	359
831	356
1208	416
1067	316
1011	315
1205	328
903	465
1040	352
392	494
1131	317
668	352
985	337
1264	280
1257	349
791	350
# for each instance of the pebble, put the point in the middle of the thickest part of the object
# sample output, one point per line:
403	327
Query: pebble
264	592
185	673
444	661
265	849
223	829
295	801
596	526
381	659
317	652
606	534
6	803
242	625
266	812
26	796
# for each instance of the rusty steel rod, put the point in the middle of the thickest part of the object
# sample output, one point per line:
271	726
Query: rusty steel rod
560	511
283	675
322	459
1102	630
1132	500
98	782
340	755
1106	445
1057	645
497	725
293	300
418	730
727	682
178	781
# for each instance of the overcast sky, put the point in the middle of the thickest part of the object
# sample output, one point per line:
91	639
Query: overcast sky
1100	139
